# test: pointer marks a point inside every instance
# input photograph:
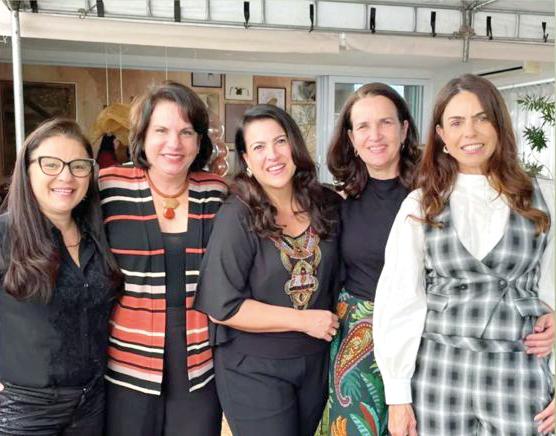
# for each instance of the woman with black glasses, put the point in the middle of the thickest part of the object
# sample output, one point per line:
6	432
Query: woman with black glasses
58	280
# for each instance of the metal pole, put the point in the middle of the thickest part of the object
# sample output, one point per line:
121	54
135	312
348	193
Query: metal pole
18	81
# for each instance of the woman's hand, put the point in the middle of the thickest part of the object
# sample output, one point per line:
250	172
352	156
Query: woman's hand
541	342
401	420
320	324
545	419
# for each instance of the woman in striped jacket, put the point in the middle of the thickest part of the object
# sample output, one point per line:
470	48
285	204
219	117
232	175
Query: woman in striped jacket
158	214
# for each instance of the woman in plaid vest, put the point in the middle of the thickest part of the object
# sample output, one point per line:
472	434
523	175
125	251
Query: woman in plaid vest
463	312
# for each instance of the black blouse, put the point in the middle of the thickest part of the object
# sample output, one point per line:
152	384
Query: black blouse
62	342
366	224
174	262
240	265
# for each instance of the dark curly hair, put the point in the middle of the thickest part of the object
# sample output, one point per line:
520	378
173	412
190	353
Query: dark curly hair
314	199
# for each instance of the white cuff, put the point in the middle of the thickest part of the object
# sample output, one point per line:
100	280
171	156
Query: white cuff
397	391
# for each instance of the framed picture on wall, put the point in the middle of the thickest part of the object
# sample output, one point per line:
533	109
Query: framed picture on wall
238	87
206	80
274	96
211	101
234	113
304	91
41	101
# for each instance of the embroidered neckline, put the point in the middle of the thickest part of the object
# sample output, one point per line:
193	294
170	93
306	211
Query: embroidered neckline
300	256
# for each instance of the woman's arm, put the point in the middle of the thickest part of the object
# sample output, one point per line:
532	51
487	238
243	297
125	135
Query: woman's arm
256	317
400	303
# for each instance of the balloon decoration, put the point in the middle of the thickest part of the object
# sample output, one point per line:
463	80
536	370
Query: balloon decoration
218	163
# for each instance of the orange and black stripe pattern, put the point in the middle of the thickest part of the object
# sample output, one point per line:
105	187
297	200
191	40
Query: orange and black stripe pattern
136	348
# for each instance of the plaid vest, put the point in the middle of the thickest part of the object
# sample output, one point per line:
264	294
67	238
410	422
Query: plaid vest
488	304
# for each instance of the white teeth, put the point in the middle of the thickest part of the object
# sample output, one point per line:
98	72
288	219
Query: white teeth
472	147
63	191
276	167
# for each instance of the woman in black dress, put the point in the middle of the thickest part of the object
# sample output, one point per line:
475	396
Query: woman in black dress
269	280
58	284
372	156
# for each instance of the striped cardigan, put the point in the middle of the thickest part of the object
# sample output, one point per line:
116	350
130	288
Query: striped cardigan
136	347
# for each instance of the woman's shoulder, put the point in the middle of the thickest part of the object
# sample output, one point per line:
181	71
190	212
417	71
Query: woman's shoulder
126	170
233	206
206	181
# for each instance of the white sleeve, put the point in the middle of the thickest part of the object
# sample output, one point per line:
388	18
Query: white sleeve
400	303
546	280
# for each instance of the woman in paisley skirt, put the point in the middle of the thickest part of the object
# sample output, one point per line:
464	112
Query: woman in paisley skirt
372	157
269	281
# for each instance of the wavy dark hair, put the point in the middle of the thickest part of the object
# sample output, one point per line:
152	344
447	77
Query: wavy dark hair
349	171
308	193
31	260
191	107
438	170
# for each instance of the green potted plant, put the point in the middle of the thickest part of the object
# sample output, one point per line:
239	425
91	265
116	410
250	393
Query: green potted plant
535	135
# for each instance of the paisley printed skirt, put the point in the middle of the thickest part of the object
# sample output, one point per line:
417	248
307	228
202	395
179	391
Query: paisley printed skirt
356	404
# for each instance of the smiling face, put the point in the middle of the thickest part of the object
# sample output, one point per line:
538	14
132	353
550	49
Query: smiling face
269	154
171	143
469	135
58	195
377	135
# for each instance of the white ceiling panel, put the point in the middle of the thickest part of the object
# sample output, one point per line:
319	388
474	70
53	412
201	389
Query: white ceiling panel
232	10
194	9
530	26
162	8
288	12
447	21
341	15
129	7
503	25
66	6
396	18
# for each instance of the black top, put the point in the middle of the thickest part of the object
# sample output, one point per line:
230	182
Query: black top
366	224
240	265
62	342
174	261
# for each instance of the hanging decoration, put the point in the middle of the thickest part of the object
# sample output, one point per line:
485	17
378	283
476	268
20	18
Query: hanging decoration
113	120
218	163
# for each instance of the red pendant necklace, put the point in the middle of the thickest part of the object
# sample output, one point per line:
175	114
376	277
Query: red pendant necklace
169	202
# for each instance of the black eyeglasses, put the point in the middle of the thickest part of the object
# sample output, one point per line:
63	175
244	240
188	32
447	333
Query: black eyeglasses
52	166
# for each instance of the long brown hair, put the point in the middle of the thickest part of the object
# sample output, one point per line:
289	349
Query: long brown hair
30	257
349	171
308	193
191	107
438	170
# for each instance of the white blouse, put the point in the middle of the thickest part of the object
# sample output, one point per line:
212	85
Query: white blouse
479	216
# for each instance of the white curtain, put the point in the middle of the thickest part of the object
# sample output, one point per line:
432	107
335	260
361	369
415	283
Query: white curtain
522	118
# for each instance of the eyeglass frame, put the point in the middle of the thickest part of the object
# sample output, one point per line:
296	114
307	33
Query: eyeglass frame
68	164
